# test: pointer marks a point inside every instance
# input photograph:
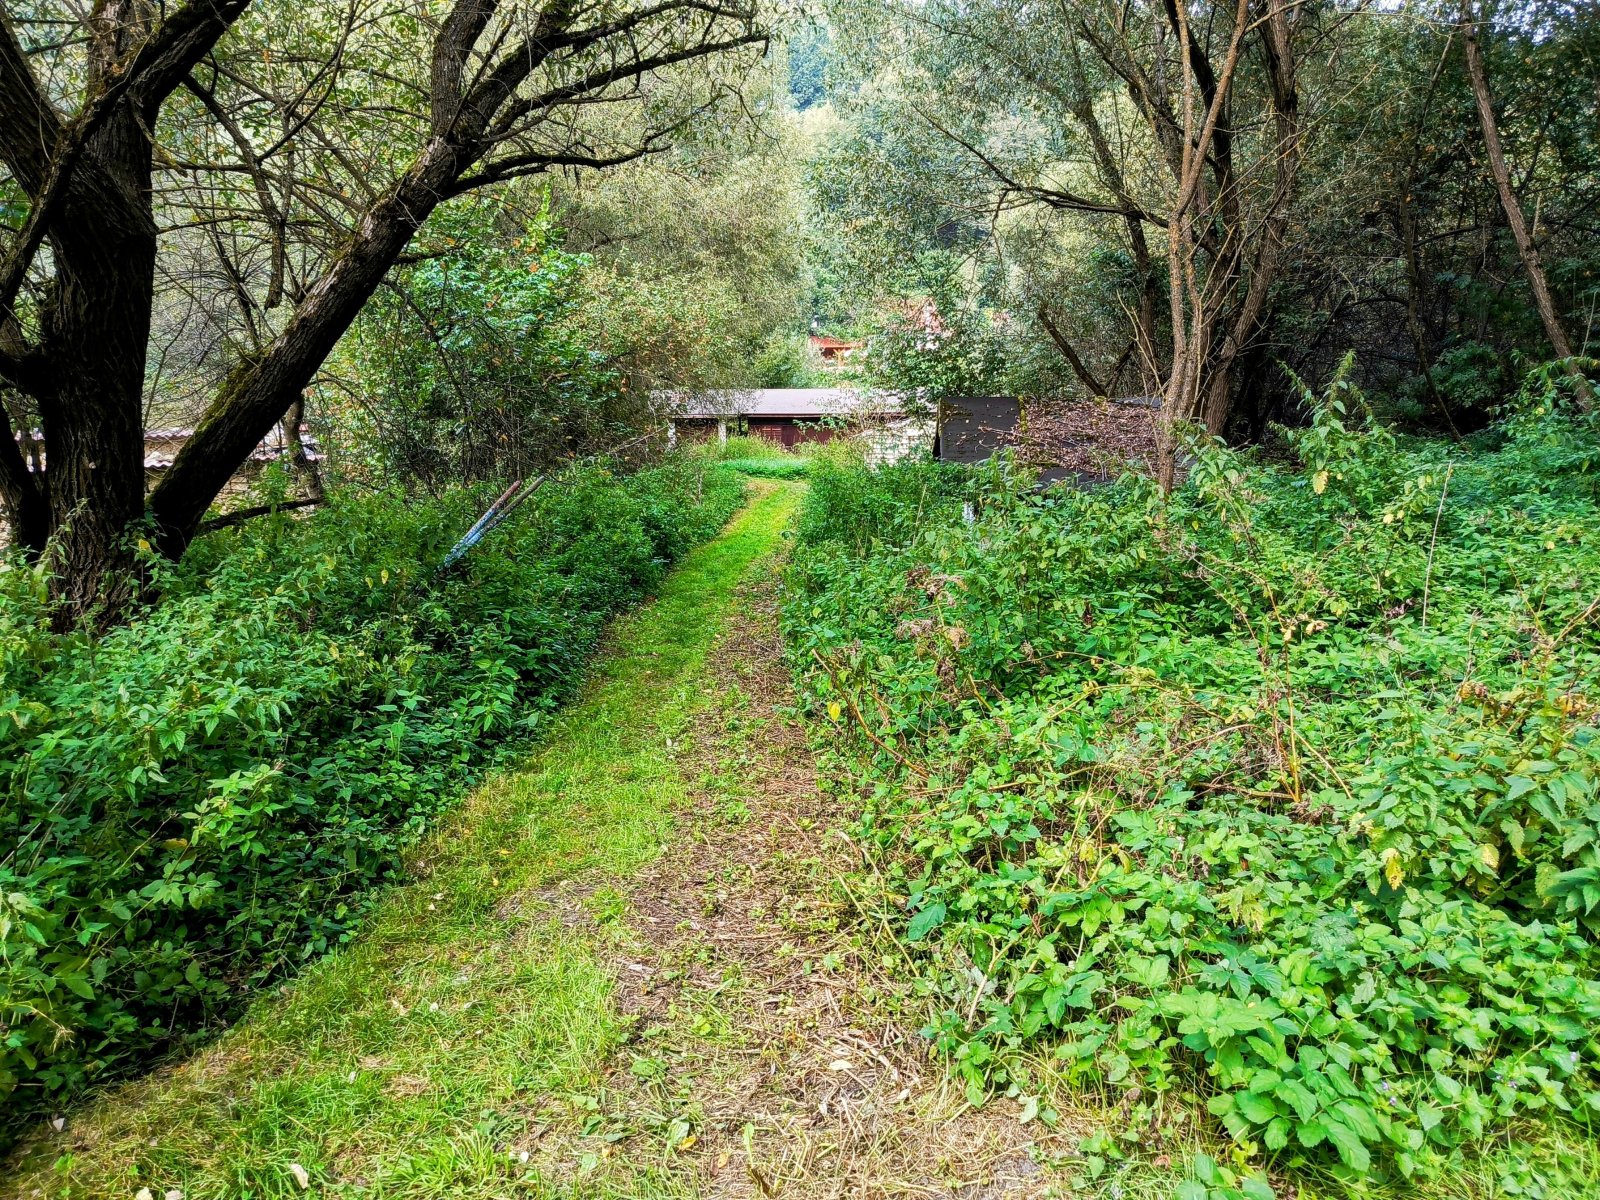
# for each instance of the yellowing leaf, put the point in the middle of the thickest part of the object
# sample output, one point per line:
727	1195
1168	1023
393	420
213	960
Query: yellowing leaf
834	709
1490	855
1392	870
1319	482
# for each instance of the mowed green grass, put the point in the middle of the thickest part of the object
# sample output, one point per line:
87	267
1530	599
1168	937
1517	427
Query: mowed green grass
406	1064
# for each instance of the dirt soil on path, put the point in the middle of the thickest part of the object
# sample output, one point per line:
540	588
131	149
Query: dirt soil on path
760	1014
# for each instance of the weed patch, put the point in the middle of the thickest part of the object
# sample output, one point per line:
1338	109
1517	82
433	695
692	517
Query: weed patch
202	801
1279	795
770	468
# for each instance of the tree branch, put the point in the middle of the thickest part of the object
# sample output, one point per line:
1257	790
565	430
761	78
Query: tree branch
158	67
520	166
1083	373
29	124
1052	197
629	70
182	40
228	520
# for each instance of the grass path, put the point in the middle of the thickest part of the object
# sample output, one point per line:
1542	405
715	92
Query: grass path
631	969
383	1067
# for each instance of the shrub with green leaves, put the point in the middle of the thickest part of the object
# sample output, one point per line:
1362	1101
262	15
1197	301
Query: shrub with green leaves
1280	793
749	446
789	467
199	802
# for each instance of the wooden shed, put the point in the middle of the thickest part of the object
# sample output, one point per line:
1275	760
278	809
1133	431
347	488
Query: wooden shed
787	416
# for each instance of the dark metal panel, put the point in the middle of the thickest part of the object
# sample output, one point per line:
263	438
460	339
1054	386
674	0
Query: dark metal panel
972	428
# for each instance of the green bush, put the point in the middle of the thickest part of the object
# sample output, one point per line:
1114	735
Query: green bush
788	361
482	360
744	446
198	802
788	467
1281	793
851	510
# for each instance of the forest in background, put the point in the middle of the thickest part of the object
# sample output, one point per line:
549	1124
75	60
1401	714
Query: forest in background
997	198
1019	165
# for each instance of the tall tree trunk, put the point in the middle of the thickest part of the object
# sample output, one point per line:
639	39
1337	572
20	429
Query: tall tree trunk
89	185
299	460
88	180
1526	247
104	250
91	497
1220	307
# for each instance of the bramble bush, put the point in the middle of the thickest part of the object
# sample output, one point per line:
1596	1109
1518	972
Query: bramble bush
1279	793
202	800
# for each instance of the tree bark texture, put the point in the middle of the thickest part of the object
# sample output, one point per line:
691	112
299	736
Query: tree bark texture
1527	248
1221	272
88	178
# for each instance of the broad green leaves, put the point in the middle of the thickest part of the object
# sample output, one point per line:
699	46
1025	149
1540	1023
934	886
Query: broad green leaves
1203	806
198	802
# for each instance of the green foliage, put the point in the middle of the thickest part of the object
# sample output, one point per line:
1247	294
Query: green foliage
744	446
1004	134
201	801
697	252
850	510
940	342
1283	793
790	467
479	362
786	361
807	51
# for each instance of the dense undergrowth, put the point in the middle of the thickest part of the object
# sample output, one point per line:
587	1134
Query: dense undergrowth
760	458
1280	795
771	467
203	799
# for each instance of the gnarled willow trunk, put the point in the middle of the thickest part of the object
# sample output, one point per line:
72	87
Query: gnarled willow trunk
88	179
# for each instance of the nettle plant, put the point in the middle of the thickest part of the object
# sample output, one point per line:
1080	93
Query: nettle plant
1275	795
201	801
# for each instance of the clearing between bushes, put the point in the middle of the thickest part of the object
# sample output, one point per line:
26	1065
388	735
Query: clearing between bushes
619	971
